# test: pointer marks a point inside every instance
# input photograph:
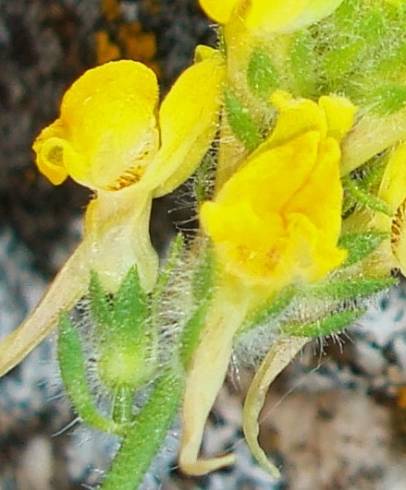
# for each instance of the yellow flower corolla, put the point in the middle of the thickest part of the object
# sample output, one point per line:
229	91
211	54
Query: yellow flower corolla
275	222
107	129
270	16
111	137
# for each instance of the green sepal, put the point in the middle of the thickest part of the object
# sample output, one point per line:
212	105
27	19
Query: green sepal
100	305
270	310
124	338
334	323
348	289
130	307
364	198
73	371
262	76
146	434
360	245
241	122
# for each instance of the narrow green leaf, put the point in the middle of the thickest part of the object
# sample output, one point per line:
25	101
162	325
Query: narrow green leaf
387	99
145	437
352	288
270	310
364	198
73	370
262	76
303	63
360	245
333	323
241	122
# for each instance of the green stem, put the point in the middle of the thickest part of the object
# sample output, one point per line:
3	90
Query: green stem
123	405
145	436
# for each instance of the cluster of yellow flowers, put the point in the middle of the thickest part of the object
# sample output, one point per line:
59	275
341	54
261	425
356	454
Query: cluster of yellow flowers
294	175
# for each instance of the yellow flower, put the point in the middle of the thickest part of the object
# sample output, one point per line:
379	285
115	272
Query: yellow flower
275	222
110	137
107	128
270	16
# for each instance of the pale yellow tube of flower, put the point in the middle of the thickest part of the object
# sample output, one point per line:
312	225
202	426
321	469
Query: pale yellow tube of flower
282	352
371	135
46	315
202	386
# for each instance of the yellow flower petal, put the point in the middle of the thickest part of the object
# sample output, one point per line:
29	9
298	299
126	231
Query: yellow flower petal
275	221
280	16
295	117
106	132
276	16
219	10
49	148
254	220
340	114
188	121
280	355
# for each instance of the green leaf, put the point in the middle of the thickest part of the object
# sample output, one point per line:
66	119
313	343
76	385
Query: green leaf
340	60
364	198
262	76
360	245
387	99
270	310
303	63
334	323
147	434
73	371
348	289
241	122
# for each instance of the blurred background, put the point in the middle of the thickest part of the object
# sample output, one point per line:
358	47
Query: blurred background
336	419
